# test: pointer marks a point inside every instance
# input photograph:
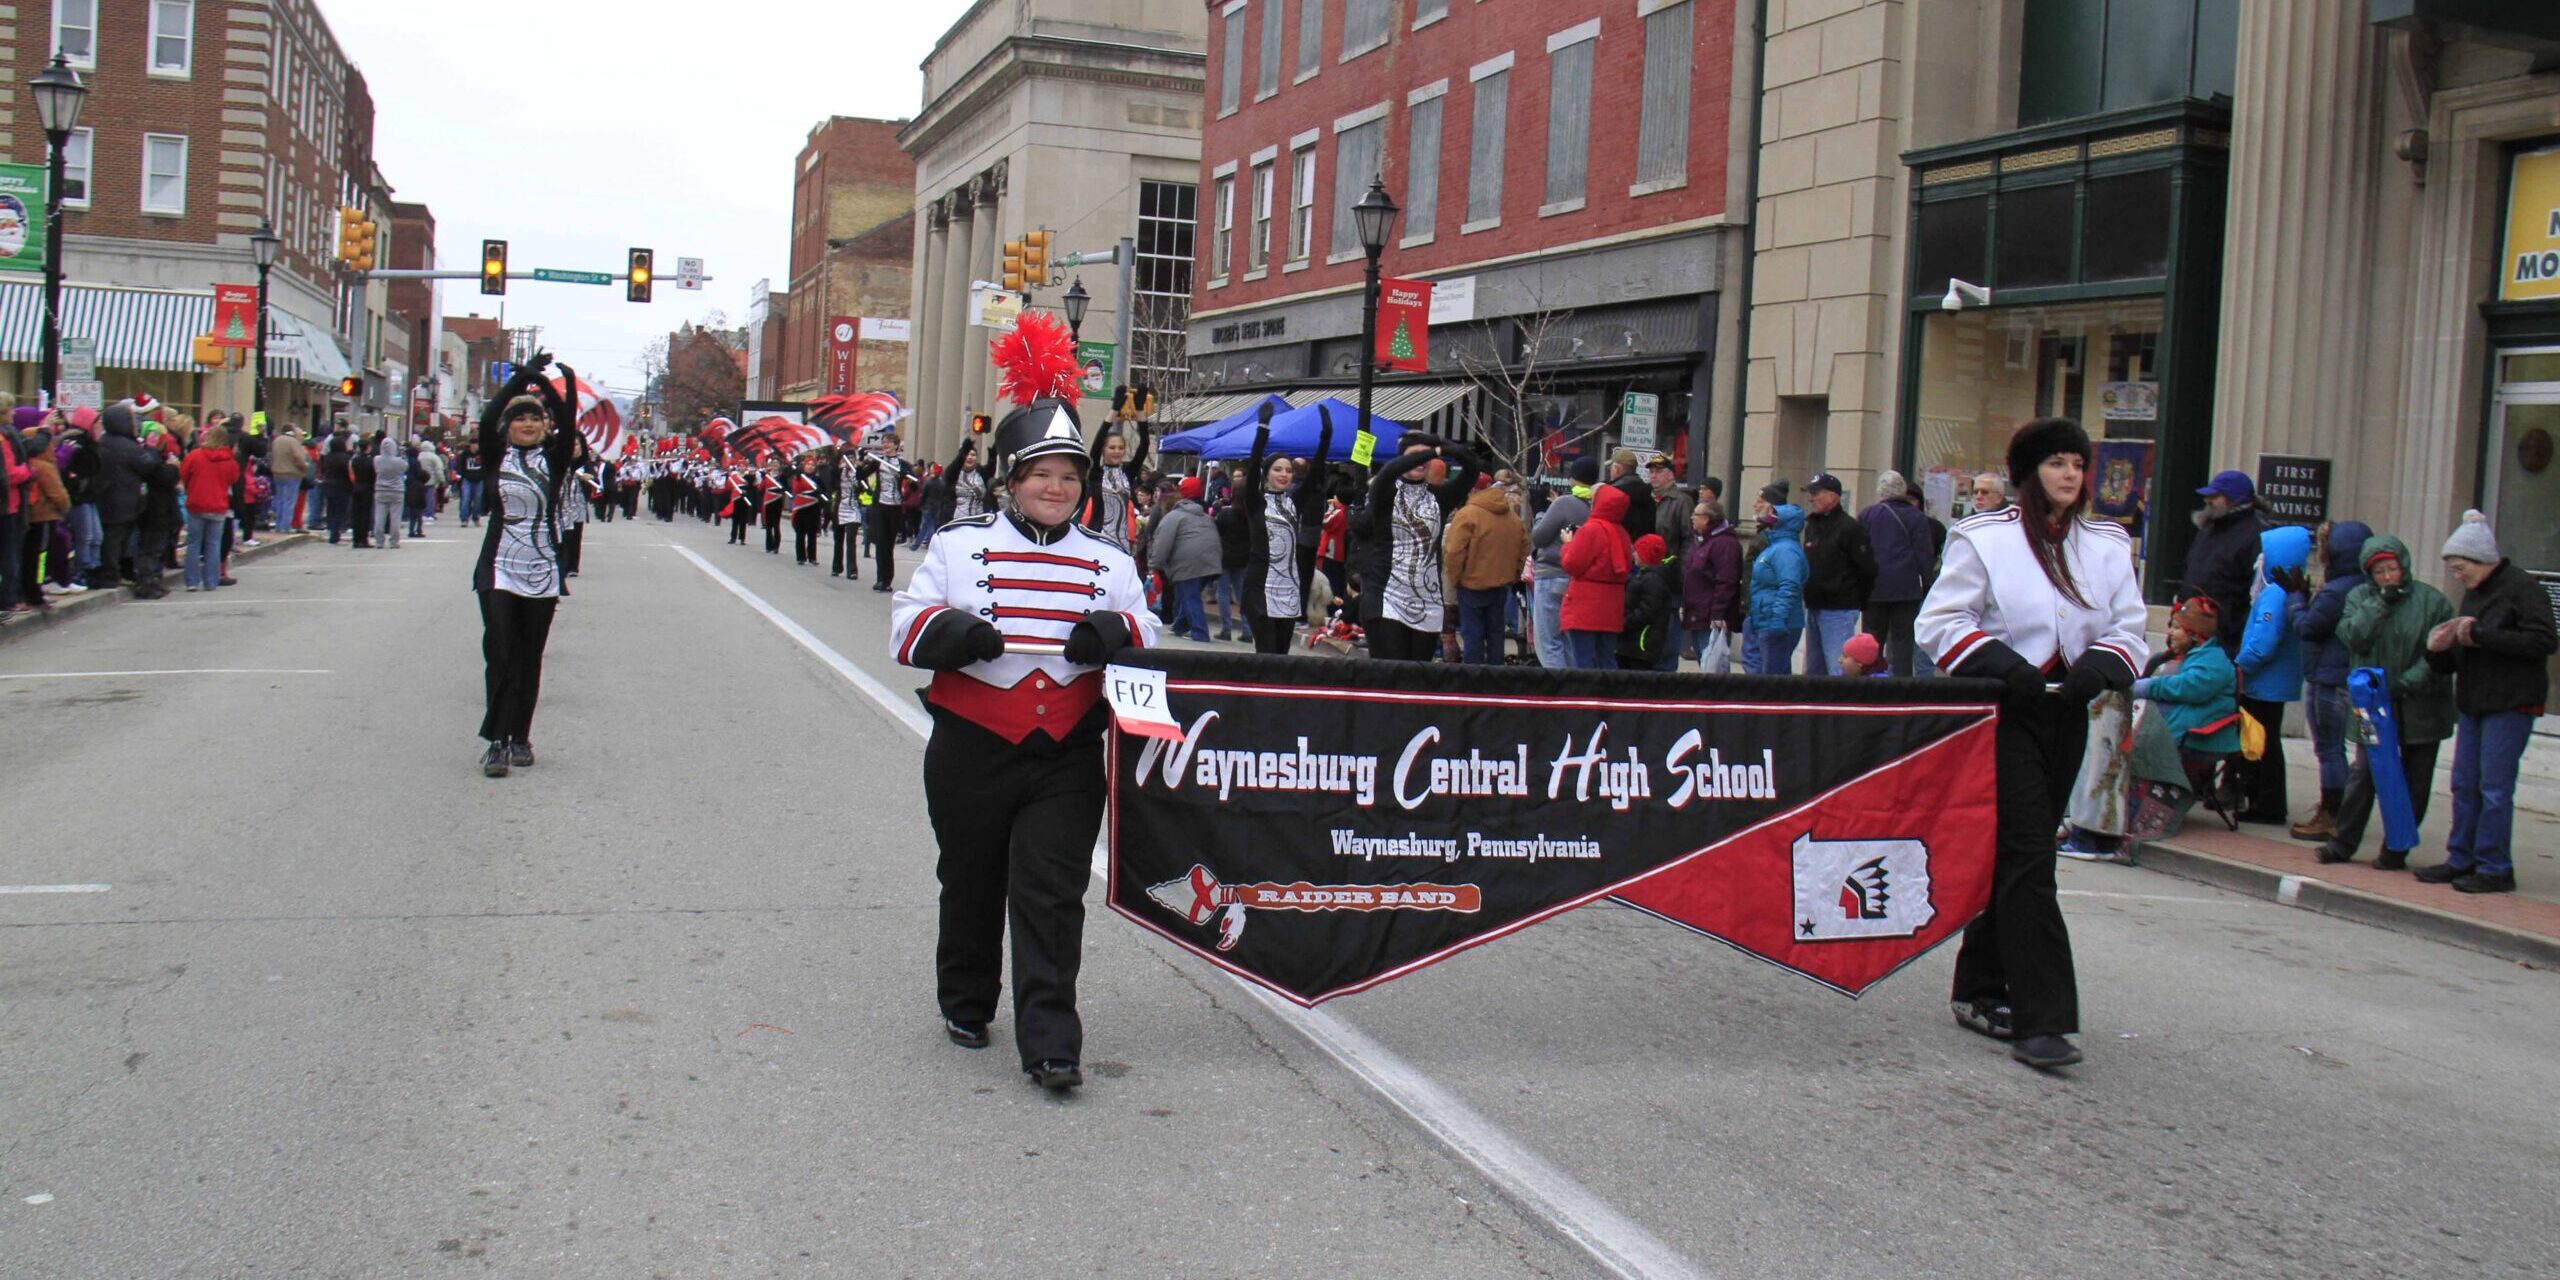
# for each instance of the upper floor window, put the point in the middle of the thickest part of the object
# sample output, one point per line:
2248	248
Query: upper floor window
1267	74
75	31
164	173
1364	25
1231	63
1222	234
1662	131
75	168
1310	36
1569	114
173	36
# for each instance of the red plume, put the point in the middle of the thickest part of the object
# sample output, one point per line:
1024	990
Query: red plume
1036	360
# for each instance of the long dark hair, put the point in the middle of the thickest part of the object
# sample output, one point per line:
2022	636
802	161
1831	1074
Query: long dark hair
2046	528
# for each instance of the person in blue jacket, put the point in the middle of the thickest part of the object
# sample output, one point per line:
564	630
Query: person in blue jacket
1776	620
2270	662
2325	653
2201	690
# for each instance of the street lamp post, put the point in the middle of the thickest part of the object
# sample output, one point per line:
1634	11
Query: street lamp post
1077	301
58	92
263	244
1376	215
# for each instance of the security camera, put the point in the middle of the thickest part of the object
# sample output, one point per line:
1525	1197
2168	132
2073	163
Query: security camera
1958	291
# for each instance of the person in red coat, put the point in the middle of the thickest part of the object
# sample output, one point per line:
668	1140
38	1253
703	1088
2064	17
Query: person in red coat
206	477
1597	556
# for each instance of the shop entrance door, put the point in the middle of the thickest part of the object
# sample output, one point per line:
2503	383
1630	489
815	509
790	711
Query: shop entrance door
2524	473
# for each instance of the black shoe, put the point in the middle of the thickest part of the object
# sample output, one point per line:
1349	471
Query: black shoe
2440	873
879	586
2046	1052
967	1035
1057	1075
2331	854
1984	1018
2276	819
493	762
2392	860
520	753
2481	882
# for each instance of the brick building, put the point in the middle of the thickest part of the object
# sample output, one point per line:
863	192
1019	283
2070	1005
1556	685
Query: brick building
201	120
412	304
852	227
1565	172
466	386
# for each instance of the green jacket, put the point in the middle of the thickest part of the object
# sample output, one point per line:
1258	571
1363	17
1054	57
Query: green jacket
2392	634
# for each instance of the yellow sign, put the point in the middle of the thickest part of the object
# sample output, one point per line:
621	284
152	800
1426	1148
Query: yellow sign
2530	267
1364	449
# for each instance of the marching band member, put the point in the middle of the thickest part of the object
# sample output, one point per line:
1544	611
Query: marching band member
971	493
1275	595
808	510
2044	598
1015	613
884	477
1117	471
775	492
1395	543
529	434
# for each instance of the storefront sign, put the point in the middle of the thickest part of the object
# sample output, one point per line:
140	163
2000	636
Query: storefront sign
2530	267
22	235
235	315
1404	326
1100	363
883	329
841	339
82	393
2293	490
1453	301
1640	422
1249	331
2129	401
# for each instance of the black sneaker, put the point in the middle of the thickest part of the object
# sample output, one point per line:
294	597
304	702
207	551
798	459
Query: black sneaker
2331	854
2044	1053
2440	873
493	762
1984	1018
967	1035
2482	882
1057	1075
520	754
2392	860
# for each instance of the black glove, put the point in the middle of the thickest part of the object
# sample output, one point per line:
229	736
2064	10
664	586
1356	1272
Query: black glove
2083	683
953	640
537	362
984	642
2026	685
2394	595
1095	640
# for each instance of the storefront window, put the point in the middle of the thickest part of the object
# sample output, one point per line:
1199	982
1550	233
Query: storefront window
2035	236
2128	232
1983	373
1951	243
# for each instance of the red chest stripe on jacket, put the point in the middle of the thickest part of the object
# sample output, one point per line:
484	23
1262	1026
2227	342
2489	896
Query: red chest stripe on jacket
1040	557
1090	591
1004	611
1037	702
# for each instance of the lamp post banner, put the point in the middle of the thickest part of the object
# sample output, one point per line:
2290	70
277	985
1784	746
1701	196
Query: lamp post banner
22	223
235	315
1404	325
1321	832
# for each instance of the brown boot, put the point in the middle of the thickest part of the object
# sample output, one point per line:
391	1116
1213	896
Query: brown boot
2321	825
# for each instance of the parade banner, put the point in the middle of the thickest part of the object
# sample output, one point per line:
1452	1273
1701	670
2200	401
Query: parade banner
235	315
1321	828
841	340
22	222
1404	326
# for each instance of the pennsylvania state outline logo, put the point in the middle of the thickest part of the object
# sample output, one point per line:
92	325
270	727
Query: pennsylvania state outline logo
1852	889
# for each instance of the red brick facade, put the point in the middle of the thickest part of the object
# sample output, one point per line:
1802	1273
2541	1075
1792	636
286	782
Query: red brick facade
852	246
1472	33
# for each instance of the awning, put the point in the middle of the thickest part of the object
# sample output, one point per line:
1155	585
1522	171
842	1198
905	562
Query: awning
1208	408
297	351
154	329
1304	396
1414	402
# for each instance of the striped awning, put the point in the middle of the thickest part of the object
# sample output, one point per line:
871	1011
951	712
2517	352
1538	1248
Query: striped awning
1417	401
1304	396
298	352
1192	410
154	329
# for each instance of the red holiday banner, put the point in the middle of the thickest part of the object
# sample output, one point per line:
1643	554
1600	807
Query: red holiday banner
841	337
235	315
1404	326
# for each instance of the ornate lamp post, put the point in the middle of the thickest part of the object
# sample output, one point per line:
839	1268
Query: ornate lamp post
263	245
1376	215
1077	301
58	93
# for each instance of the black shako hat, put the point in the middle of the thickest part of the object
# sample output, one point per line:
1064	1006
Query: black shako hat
1037	430
2041	439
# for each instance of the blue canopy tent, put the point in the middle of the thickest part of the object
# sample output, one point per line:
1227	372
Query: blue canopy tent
1191	440
1294	433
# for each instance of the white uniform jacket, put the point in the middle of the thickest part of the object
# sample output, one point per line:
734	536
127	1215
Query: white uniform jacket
1992	606
1034	587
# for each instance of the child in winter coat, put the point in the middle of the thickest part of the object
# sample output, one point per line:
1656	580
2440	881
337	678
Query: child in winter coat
1597	558
2270	662
1776	619
2194	691
1649	637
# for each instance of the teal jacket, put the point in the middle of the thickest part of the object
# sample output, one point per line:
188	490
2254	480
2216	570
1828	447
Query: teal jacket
2201	691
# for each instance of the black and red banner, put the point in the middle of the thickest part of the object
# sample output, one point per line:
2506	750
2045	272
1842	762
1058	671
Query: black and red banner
1322	827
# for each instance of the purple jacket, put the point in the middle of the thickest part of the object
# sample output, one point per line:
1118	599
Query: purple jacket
1711	580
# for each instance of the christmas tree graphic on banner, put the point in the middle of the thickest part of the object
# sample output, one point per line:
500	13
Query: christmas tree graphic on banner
1400	347
233	330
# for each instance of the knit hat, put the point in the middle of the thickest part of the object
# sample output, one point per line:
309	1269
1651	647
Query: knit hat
2197	617
1863	649
1651	549
2041	439
1585	470
1189	488
2473	540
1775	492
522	405
25	416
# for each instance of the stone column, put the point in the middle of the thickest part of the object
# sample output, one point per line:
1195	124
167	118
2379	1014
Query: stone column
986	247
951	327
2298	244
923	352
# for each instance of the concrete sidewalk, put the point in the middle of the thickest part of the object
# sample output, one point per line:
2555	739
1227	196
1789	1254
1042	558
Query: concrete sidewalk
69	607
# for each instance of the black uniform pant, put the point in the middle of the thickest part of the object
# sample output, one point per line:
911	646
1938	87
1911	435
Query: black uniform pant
1016	826
1393	641
513	631
740	516
2019	953
883	521
572	544
848	557
1271	635
773	529
805	525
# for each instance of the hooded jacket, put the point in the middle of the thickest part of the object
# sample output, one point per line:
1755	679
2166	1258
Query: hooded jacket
2324	654
1184	545
390	470
124	467
1777	575
2218	568
1652	610
208	475
2507	665
1486	543
1711	580
2389	630
2270	657
1596	564
2198	693
287	459
1546	538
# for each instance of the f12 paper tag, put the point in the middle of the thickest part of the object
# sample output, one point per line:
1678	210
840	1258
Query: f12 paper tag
1138	702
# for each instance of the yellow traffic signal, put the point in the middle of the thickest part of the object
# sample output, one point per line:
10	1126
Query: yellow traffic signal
640	274
493	267
1035	258
349	219
1014	278
367	232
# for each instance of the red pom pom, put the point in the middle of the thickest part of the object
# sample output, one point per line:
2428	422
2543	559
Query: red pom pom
1037	360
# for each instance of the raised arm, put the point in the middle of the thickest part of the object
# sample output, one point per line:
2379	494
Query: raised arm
1462	478
1310	495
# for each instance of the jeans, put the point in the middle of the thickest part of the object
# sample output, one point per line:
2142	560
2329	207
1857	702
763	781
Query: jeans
1190	617
1593	650
204	550
470	501
280	507
1480	624
1231	602
1770	653
2486	750
1546	604
2332	720
925	528
1829	629
87	538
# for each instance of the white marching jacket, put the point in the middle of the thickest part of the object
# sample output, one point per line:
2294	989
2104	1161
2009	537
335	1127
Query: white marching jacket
1992	598
1034	588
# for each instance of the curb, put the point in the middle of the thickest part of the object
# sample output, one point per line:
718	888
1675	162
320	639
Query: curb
68	608
2344	903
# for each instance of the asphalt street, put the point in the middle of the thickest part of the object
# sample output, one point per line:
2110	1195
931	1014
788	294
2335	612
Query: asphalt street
328	1002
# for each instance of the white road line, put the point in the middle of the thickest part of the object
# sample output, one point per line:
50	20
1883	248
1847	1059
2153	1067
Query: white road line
1616	1242
2155	897
195	671
55	888
310	600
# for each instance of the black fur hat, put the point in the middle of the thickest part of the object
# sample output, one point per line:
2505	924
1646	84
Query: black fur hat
2041	439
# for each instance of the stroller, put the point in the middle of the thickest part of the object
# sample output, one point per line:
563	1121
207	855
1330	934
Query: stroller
2167	778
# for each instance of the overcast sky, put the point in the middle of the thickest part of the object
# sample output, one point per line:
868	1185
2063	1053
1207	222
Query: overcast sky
616	125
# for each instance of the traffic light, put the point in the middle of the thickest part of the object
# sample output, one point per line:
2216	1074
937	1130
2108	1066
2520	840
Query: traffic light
350	385
493	267
350	219
1035	258
367	232
980	424
1013	277
638	290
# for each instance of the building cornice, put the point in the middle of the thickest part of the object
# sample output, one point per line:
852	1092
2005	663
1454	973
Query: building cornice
1010	63
1577	248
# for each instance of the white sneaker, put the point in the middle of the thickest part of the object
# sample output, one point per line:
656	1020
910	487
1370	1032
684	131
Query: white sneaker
68	589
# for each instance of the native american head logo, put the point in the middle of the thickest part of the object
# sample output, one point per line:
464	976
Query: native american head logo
1199	896
1848	889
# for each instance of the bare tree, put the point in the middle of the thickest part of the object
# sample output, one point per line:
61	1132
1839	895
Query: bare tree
1520	393
703	380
